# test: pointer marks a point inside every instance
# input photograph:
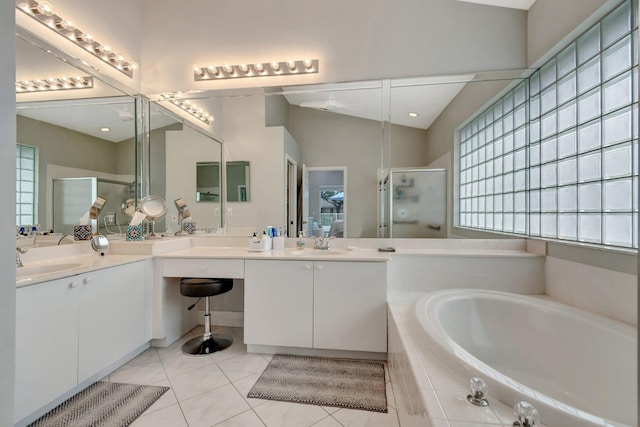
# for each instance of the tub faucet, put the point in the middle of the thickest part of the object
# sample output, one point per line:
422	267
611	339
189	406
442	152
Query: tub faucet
321	243
526	413
19	251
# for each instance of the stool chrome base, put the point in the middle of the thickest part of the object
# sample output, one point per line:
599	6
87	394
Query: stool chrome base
200	346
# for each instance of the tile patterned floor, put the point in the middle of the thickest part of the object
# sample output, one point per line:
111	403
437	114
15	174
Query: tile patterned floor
209	391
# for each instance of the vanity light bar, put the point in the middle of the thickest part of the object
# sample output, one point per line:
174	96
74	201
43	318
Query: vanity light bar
61	83
185	105
282	68
43	12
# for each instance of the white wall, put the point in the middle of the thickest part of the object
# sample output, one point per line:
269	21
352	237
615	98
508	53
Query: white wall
600	290
7	220
353	40
246	138
184	149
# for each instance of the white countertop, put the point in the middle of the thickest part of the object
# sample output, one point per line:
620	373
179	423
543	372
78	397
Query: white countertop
308	254
54	262
41	271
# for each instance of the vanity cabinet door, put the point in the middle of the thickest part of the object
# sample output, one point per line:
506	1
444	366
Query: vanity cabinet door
278	303
46	343
350	306
112	316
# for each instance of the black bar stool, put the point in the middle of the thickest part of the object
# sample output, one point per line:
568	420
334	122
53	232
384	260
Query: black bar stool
205	288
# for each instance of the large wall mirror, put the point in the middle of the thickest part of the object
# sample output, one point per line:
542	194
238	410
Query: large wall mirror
73	145
373	131
184	163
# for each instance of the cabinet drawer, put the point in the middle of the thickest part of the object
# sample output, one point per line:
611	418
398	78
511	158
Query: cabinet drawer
215	268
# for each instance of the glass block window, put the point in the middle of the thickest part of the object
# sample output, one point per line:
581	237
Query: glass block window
26	184
574	174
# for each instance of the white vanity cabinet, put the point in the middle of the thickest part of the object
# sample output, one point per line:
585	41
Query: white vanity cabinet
68	330
46	343
111	316
332	305
350	306
278	303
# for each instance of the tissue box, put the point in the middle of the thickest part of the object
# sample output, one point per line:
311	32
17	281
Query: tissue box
134	232
82	232
260	245
189	227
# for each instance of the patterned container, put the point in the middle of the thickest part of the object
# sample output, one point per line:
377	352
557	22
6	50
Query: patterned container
82	232
189	227
134	232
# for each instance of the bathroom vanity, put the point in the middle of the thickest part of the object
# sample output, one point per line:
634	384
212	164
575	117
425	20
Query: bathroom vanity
295	301
73	330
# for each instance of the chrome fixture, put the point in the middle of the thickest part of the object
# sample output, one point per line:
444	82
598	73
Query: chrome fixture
276	68
478	390
321	243
61	83
19	251
527	415
176	99
43	13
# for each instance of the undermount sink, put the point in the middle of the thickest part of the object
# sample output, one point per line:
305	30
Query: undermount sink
37	270
319	252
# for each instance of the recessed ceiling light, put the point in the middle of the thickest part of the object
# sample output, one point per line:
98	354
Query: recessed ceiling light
413	114
105	129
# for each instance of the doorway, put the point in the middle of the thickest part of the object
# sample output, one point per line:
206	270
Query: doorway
324	207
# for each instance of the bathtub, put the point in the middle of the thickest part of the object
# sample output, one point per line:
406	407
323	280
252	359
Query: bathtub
577	368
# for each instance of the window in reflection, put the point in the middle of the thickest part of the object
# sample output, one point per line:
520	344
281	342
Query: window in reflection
26	184
238	188
208	182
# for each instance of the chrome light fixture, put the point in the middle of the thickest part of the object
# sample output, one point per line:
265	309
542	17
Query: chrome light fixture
176	99
60	83
259	69
43	12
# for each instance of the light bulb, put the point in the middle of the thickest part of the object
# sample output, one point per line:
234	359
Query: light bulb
199	71
64	25
43	8
244	68
275	66
227	68
259	67
308	63
291	64
133	66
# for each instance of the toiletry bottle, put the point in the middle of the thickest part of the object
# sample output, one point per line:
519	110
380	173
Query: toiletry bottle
300	241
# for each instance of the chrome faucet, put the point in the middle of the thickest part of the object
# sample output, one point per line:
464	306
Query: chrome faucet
321	243
19	251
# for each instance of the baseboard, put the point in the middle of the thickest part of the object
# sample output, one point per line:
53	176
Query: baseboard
234	319
298	351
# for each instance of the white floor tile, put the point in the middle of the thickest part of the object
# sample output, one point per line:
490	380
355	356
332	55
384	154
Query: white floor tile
245	419
197	381
213	407
169	416
166	400
357	418
285	414
244	386
144	369
327	422
243	366
179	363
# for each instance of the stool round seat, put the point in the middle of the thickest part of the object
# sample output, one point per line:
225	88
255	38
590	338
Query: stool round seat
202	287
198	287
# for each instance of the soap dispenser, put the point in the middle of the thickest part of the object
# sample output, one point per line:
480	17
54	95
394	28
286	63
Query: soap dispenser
300	241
